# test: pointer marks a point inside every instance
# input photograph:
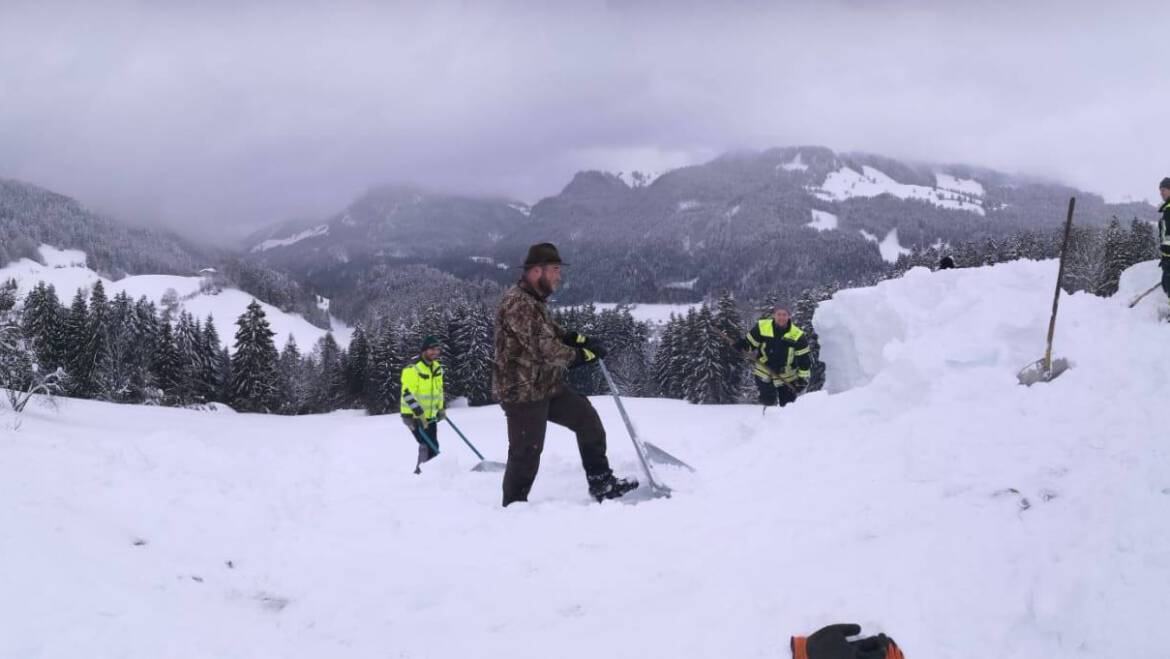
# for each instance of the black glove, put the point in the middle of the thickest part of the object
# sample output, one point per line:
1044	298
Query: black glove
410	421
584	356
577	340
441	415
832	643
800	384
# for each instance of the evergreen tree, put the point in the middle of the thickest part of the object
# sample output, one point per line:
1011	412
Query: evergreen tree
210	368
385	371
329	387
78	349
668	381
708	380
294	380
43	323
357	366
729	325
474	364
254	364
167	367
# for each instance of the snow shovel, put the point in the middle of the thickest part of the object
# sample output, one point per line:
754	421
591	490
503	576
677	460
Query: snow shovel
1133	302
656	489
1047	369
484	465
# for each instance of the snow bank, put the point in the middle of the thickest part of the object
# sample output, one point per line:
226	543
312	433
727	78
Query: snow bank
67	272
846	183
930	497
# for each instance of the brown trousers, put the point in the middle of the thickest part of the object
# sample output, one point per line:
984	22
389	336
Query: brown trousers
527	423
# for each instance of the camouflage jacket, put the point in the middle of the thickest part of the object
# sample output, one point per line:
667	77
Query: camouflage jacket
530	361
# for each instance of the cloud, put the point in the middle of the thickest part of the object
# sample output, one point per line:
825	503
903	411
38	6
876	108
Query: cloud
217	118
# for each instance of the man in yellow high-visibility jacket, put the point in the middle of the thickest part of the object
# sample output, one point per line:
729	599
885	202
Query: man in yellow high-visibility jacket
421	401
783	364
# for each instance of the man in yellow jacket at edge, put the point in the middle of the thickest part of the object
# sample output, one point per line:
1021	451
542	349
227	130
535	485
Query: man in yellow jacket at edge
421	400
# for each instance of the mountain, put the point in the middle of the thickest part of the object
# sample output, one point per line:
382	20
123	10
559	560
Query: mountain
761	224
32	217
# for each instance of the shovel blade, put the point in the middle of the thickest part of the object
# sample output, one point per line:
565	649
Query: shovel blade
489	465
1037	371
655	454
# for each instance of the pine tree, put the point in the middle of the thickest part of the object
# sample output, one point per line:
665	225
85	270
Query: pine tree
474	366
188	337
329	389
728	323
210	376
668	381
294	380
254	364
78	348
708	379
167	366
385	371
43	323
357	365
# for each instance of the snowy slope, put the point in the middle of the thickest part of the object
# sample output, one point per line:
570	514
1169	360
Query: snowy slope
65	269
897	501
951	192
273	243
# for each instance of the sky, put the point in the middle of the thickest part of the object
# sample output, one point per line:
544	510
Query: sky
217	118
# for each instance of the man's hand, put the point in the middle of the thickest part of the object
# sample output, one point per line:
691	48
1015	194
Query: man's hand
832	643
800	384
441	415
584	356
577	340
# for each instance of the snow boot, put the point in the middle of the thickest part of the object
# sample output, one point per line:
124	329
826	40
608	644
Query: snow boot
607	486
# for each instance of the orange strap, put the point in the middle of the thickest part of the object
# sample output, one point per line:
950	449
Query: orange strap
799	647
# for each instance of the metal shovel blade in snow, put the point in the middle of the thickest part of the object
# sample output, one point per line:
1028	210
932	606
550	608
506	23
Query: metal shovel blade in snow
484	465
655	454
1047	369
1042	371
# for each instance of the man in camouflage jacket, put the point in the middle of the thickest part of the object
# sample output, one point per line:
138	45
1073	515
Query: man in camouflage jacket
532	356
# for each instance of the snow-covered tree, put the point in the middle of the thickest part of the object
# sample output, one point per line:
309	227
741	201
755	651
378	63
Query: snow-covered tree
254	364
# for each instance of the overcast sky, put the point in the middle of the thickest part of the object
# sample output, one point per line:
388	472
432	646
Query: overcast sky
232	115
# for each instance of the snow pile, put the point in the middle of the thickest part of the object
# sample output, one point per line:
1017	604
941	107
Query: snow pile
67	273
931	497
822	220
272	243
846	183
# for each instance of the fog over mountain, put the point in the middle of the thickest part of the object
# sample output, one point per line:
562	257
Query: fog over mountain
218	120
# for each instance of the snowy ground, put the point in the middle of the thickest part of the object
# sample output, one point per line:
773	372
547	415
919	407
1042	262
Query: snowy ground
929	496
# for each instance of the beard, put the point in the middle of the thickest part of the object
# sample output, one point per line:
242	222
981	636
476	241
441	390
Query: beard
544	286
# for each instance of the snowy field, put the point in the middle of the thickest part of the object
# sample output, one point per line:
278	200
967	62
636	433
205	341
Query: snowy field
929	496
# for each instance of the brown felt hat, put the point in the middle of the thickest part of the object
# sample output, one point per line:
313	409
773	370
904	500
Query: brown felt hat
543	254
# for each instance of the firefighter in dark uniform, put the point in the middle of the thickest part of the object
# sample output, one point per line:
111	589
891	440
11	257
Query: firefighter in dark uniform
1164	234
781	355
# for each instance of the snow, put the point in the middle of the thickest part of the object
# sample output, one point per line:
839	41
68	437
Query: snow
523	209
688	285
272	243
797	164
689	204
846	183
226	306
867	235
961	185
890	248
732	212
822	220
655	314
897	501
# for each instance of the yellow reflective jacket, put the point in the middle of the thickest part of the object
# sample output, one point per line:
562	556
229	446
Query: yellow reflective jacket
422	389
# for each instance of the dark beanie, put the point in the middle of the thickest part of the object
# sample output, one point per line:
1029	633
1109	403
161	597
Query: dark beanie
430	342
1165	183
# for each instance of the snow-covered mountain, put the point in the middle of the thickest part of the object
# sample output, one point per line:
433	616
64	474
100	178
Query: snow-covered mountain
924	494
756	223
201	295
